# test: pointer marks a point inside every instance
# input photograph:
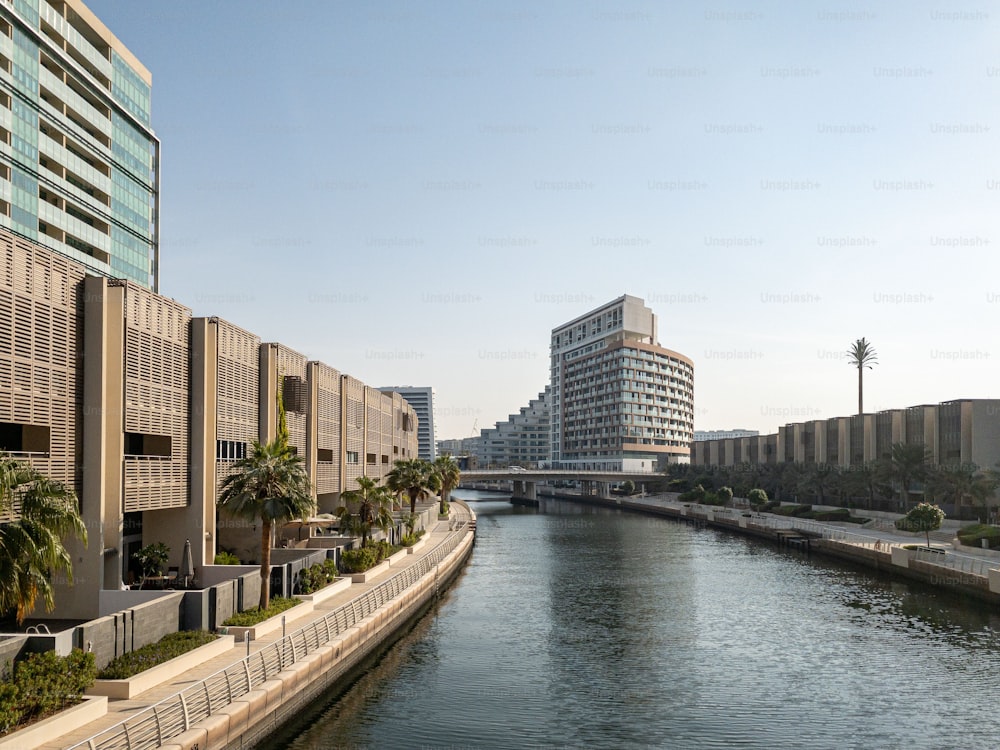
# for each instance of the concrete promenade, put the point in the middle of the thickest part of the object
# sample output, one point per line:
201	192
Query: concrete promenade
120	710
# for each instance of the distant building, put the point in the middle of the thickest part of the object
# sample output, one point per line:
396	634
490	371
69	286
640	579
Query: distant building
723	434
963	431
618	400
422	401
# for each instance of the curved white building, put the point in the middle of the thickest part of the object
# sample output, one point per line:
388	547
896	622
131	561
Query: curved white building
619	401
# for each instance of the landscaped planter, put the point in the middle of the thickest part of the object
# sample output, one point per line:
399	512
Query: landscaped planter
51	729
241	632
397	557
417	545
370	573
140	683
326	592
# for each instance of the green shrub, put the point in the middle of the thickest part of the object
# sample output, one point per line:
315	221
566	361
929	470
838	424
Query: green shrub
165	649
792	510
409	540
251	617
710	498
694	495
317	576
358	560
972	534
44	684
226	558
837	514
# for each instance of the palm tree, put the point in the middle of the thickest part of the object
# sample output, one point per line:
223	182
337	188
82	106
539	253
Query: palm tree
861	355
374	509
907	464
867	479
269	485
962	484
449	475
31	546
413	477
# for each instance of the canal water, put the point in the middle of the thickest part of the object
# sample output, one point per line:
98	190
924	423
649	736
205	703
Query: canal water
579	627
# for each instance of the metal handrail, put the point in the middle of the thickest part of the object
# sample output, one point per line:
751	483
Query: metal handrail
175	714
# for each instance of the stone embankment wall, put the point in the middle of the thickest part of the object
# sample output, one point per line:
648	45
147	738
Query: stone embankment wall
249	721
964	584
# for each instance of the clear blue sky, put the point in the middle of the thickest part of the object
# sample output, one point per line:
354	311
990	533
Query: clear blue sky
417	193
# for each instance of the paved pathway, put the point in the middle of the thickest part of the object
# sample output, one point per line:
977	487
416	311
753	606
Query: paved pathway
119	710
881	530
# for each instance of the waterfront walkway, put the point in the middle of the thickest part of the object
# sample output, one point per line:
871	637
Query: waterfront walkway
121	710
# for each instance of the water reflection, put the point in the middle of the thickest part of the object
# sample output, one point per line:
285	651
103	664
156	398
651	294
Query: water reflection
582	627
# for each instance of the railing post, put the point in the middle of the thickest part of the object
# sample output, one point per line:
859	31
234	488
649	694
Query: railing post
246	669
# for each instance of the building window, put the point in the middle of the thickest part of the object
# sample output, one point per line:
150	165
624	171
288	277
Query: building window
230	450
324	455
24	438
143	444
352	457
385	460
370	459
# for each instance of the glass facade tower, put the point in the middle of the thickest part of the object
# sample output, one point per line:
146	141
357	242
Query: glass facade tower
79	163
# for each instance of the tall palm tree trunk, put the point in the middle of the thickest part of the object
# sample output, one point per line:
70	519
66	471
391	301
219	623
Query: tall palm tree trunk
861	372
265	565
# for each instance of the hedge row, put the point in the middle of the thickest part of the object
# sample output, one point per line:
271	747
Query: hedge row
152	654
43	684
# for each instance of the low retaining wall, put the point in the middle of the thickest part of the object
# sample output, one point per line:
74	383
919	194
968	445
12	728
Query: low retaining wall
51	729
251	719
130	687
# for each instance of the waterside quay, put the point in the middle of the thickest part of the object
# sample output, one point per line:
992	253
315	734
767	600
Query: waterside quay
239	699
973	574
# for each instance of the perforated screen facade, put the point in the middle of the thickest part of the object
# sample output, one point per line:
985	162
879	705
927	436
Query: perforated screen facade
40	341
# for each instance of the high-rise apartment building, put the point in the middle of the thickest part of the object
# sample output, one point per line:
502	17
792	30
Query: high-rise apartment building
619	401
422	401
79	163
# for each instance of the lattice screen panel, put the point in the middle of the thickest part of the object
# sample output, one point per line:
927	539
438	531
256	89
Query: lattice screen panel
354	435
157	397
328	427
239	382
41	326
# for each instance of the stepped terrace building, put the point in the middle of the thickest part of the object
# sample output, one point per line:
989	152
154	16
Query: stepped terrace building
142	409
619	401
522	440
79	162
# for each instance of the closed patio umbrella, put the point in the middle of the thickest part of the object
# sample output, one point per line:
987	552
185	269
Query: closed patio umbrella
187	563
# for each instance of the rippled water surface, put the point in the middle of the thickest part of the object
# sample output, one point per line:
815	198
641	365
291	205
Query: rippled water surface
581	627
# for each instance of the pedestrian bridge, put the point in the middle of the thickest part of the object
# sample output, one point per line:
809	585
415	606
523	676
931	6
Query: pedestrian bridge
526	481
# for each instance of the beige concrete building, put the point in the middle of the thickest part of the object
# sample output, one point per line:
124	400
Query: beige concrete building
119	393
963	431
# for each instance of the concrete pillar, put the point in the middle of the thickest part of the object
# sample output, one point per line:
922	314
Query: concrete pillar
199	516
